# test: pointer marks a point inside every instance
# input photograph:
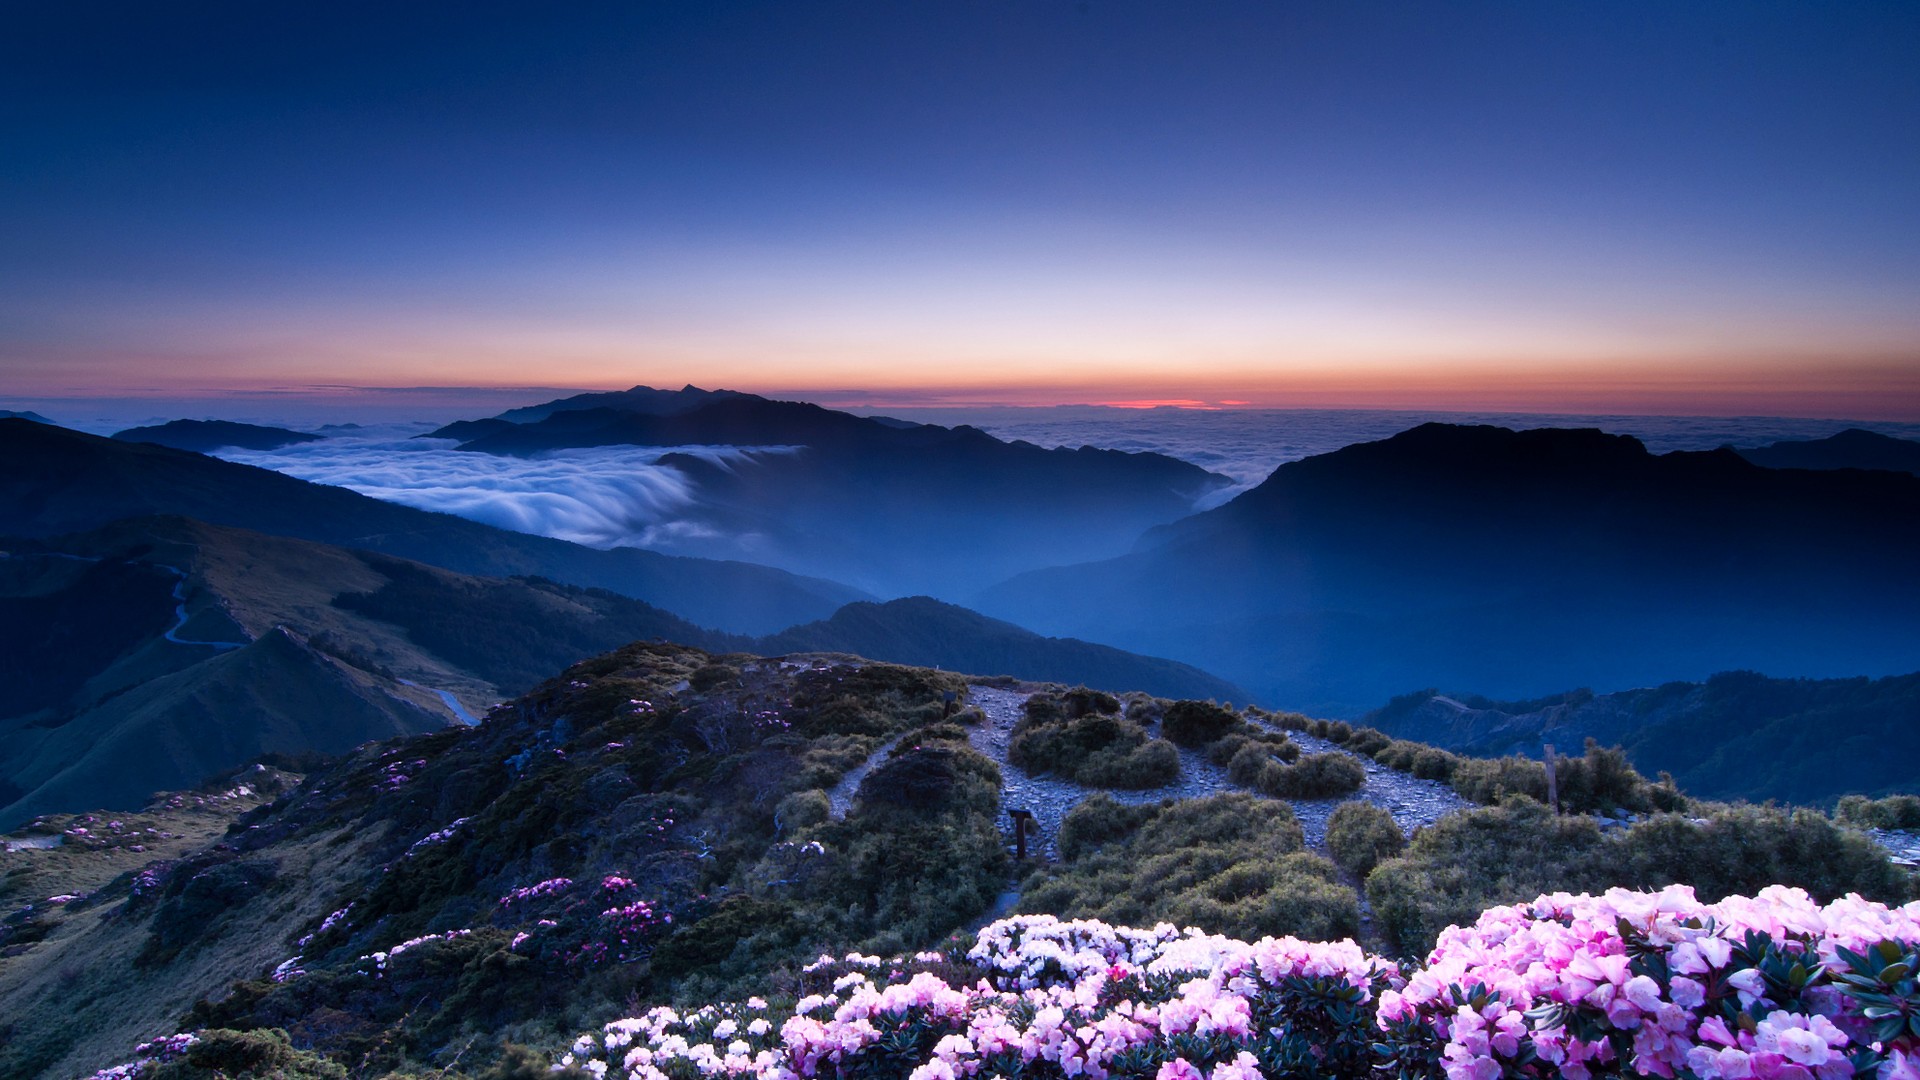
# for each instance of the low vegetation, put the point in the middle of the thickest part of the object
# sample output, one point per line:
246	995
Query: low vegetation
1231	864
1360	835
1468	862
1081	735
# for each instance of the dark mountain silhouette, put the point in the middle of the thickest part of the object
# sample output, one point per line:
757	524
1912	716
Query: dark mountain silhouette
892	507
1738	735
639	399
922	631
9	414
1519	562
1853	448
59	481
205	436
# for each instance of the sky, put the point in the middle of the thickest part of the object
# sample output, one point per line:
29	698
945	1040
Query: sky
1701	208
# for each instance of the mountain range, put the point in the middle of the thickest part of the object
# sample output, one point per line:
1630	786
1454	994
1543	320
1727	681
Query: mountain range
1737	735
153	652
892	507
59	481
1853	448
1517	562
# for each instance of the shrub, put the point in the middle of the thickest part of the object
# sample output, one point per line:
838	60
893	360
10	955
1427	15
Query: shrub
1315	776
801	809
1229	864
1892	812
1368	741
1360	834
1099	750
1099	819
1223	751
1520	849
711	677
1291	721
1197	723
244	1055
1433	764
1489	781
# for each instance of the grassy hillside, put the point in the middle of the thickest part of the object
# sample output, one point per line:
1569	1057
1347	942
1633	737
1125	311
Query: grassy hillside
664	824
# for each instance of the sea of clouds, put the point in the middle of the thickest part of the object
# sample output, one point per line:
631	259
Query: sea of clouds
625	495
603	496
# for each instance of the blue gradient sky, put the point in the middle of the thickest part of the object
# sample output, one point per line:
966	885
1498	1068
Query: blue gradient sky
1701	207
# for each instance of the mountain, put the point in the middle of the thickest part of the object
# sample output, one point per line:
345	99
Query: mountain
1738	735
640	399
1851	449
103	646
9	414
926	632
129	675
59	481
1519	562
206	436
895	508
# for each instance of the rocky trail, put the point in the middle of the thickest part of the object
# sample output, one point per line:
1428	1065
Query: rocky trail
1411	801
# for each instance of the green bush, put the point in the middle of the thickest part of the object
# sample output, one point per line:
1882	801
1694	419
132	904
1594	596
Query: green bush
1315	776
1368	741
801	809
710	677
1095	749
1223	751
1465	863
223	1054
1360	835
1291	721
1197	723
1600	779
1892	812
1099	819
1432	763
1229	864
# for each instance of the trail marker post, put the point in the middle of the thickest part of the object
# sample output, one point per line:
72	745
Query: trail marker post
1021	819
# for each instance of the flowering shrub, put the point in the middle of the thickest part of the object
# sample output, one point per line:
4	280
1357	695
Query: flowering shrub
1622	984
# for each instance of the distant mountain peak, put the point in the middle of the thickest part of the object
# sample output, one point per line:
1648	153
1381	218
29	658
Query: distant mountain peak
1854	448
205	436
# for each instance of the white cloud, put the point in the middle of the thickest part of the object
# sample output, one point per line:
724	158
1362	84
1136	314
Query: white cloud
604	496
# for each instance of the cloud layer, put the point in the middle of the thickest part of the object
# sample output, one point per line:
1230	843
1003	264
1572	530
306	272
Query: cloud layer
602	496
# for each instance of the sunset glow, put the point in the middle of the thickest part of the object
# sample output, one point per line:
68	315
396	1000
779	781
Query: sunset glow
1702	210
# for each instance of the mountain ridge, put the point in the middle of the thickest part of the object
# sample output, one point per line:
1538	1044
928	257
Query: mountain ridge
1489	557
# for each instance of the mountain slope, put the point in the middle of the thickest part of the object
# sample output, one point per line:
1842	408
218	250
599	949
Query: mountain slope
1520	562
97	636
923	631
1737	735
1850	449
59	481
275	694
893	507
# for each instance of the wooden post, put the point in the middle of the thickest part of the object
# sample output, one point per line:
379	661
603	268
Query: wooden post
1020	820
951	699
1553	780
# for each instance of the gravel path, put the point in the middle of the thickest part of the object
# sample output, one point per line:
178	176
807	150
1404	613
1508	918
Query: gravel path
840	797
1412	802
